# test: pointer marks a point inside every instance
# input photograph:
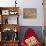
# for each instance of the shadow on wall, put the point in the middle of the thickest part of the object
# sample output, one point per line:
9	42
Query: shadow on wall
37	29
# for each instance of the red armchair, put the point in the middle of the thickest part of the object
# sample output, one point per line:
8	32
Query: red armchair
30	34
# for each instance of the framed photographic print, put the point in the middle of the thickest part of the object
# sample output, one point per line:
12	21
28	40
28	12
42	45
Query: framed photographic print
5	12
29	13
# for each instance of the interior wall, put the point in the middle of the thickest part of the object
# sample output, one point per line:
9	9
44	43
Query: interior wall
38	21
33	22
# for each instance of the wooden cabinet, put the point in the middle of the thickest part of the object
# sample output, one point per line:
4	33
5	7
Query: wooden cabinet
9	27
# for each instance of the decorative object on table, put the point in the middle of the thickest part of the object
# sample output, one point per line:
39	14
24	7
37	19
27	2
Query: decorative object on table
30	38
29	13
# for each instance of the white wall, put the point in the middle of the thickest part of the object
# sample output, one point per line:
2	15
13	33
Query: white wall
27	4
33	4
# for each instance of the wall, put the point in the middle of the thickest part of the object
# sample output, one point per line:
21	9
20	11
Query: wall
27	4
33	4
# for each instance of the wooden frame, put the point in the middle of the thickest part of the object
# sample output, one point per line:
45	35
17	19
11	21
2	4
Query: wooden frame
29	13
5	12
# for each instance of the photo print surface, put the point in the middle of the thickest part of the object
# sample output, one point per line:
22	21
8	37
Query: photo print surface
29	13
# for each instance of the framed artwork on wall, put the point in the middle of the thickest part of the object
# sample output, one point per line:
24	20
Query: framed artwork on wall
29	13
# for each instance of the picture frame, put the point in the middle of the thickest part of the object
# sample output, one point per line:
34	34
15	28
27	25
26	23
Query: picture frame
5	12
29	13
